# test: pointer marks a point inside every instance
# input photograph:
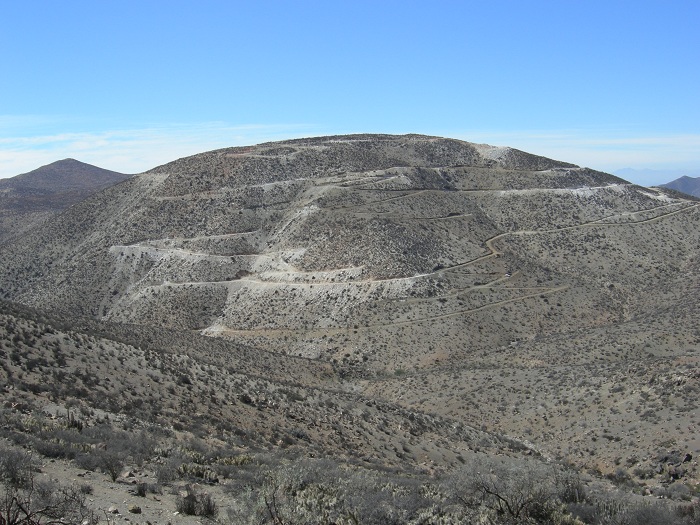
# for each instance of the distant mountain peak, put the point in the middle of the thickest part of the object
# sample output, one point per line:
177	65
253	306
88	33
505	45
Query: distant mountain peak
49	189
65	174
654	177
689	185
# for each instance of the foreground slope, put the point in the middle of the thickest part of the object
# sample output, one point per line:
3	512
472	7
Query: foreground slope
214	388
499	289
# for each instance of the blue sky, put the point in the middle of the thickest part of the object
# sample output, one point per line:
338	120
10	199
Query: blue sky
129	85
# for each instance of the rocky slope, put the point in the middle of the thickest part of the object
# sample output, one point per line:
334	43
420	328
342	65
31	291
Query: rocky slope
505	292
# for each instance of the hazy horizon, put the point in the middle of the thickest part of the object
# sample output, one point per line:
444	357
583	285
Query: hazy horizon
133	85
641	176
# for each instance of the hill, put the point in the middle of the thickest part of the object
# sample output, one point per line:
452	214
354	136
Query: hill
408	303
689	185
33	197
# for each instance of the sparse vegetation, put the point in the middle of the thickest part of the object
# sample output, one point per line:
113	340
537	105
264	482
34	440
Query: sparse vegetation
393	305
26	500
193	503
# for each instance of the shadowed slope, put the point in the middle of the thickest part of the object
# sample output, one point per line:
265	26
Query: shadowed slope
31	198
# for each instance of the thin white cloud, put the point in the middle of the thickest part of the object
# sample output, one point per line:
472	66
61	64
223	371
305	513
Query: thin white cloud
132	150
24	147
606	151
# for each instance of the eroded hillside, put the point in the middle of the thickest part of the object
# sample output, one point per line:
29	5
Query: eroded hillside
497	289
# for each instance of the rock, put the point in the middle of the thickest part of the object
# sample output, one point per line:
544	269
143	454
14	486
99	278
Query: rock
134	509
113	510
688	457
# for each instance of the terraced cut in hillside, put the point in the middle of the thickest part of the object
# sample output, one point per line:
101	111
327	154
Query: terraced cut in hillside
503	291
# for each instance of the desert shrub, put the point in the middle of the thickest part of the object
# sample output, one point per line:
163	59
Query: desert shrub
139	446
154	488
675	491
648	514
195	503
87	461
320	492
228	466
169	471
141	489
207	506
377	500
109	462
290	494
98	447
585	512
690	514
26	501
569	487
52	449
15	468
187	504
513	491
644	472
620	510
620	477
195	470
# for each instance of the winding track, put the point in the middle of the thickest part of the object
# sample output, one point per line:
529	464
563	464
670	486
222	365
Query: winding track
493	252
